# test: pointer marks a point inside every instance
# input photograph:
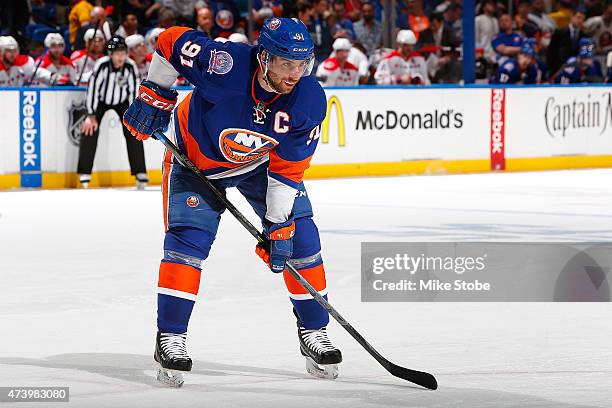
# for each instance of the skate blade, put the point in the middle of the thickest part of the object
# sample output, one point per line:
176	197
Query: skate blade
171	378
327	371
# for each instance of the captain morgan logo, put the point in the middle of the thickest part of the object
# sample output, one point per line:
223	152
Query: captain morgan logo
243	146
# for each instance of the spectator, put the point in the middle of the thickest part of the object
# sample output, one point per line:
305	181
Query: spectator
582	68
227	17
337	70
97	18
600	28
321	31
85	59
403	65
368	31
486	28
305	12
139	9
507	43
56	62
564	42
79	16
129	25
204	20
183	9
524	26
137	51
43	12
438	44
522	69
412	18
563	15
545	24
264	9
167	18
344	26
452	16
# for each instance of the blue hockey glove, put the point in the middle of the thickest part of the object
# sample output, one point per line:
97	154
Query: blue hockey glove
278	247
150	111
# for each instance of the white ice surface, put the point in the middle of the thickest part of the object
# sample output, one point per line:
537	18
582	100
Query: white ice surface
78	271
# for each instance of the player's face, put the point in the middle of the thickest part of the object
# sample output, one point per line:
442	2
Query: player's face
342	55
406	49
118	58
97	45
284	74
9	55
56	51
138	52
523	61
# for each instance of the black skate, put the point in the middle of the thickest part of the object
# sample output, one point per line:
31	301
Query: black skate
171	354
322	358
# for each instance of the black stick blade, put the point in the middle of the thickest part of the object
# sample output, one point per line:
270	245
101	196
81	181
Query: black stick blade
417	377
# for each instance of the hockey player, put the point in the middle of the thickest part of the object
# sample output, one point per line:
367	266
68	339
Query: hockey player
252	122
20	70
523	69
582	68
54	60
137	51
336	70
403	65
85	59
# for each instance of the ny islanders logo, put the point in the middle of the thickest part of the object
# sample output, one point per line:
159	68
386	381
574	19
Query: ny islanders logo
243	146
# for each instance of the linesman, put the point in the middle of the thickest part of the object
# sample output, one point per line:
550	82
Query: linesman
112	85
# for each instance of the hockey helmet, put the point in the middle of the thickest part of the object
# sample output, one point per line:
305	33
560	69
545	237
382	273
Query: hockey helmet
342	44
585	48
92	33
238	38
116	43
134	40
527	49
406	37
53	39
289	40
8	43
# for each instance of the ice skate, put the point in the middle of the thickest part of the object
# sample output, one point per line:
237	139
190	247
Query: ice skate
141	181
171	354
322	358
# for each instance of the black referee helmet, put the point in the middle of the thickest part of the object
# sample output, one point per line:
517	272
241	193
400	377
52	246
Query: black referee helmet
116	43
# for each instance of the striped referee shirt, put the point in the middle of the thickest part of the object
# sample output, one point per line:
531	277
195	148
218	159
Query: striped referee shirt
111	86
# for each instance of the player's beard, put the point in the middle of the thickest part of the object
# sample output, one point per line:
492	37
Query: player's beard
279	85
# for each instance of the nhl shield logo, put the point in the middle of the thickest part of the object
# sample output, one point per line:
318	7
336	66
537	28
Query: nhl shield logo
220	62
193	201
243	146
77	112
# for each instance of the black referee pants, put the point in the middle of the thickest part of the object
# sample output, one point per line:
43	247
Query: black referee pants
89	144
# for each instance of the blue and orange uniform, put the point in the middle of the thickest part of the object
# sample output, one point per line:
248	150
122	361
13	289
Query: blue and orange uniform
239	135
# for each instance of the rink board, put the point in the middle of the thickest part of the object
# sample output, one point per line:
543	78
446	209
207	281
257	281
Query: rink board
369	131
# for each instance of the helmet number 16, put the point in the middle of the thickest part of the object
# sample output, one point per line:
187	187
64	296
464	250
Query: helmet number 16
189	50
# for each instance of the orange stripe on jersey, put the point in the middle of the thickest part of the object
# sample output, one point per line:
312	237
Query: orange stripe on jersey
293	170
191	145
180	277
315	276
166	185
166	40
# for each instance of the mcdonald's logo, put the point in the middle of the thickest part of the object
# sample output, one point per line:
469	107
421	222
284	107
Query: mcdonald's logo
334	102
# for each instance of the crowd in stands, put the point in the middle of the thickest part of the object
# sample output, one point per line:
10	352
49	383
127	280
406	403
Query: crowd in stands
57	42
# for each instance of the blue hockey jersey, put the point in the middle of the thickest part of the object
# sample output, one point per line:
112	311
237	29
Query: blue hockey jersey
229	124
510	73
574	72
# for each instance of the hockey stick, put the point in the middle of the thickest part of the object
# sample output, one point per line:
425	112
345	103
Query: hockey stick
417	377
87	53
37	66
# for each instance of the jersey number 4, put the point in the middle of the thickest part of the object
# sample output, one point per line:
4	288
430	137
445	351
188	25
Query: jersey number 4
188	51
